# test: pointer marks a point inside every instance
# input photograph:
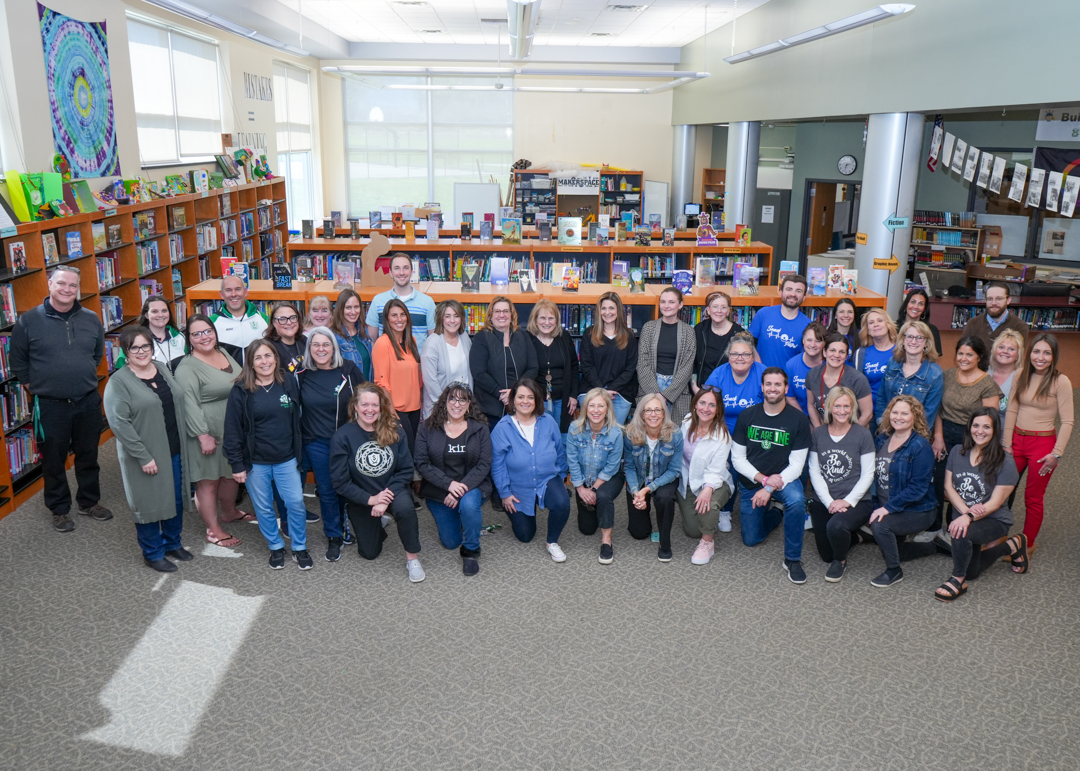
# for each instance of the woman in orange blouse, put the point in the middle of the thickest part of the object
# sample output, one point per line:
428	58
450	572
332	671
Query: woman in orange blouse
395	362
1041	395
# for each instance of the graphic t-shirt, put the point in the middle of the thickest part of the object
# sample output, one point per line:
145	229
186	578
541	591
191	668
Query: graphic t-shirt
881	472
454	463
849	378
874	363
841	460
778	339
796	369
770	439
974	488
737	396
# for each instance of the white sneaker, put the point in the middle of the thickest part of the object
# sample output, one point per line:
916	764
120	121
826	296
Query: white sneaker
926	536
416	571
808	525
724	525
703	553
386	520
556	553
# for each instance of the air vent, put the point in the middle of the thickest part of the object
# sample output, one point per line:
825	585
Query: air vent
494	21
431	31
599	34
627	8
415	3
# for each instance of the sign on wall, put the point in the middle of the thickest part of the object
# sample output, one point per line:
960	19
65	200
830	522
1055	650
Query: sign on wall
1059	124
258	87
579	183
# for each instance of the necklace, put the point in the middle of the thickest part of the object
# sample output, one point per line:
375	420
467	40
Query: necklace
266	389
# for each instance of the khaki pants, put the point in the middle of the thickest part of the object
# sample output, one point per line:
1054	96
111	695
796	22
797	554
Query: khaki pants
695	525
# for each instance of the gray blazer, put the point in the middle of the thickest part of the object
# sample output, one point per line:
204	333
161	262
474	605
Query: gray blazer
434	368
678	393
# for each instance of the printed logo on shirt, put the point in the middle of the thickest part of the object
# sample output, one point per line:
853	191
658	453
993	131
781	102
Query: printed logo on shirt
874	367
767	437
455	448
286	402
777	334
798	383
373	460
882	471
731	401
254	324
836	465
970	486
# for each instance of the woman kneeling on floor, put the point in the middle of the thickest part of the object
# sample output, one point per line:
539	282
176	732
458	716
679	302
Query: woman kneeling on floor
979	477
652	454
372	468
594	451
705	483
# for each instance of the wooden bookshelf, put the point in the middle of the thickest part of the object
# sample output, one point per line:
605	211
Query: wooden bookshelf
712	182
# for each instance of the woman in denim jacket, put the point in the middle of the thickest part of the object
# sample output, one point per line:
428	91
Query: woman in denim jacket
594	452
914	371
652	454
904	472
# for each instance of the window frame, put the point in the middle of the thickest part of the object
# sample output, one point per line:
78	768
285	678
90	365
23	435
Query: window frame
285	169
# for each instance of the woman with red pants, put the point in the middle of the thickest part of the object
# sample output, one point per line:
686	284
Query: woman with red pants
1041	395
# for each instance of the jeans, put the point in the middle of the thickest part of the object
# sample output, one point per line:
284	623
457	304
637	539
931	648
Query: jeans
557	501
70	426
834	533
900	524
1027	450
332	508
640	523
601	515
287	478
663	382
460	526
696	525
983	531
370	533
756	523
156	538
622	407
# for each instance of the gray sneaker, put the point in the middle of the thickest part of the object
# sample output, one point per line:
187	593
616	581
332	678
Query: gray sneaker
62	523
97	511
416	571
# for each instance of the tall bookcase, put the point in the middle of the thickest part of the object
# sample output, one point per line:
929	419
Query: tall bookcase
620	192
141	249
535	191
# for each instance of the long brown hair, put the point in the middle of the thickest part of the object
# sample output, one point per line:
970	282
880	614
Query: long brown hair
718	428
991	457
408	342
337	320
622	332
636	431
1050	378
387	426
440	414
143	319
271	332
246	378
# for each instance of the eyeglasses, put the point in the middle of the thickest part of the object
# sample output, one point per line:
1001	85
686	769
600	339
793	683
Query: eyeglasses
286	319
740	355
914	338
322	346
653	411
202	333
139	349
458	400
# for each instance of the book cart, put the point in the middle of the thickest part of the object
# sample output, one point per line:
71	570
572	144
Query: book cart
123	255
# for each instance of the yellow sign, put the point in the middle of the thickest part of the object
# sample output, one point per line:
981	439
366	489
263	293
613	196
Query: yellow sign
571	249
656	249
890	264
732	250
860	239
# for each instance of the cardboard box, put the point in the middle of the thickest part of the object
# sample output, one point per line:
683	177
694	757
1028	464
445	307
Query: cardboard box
991	241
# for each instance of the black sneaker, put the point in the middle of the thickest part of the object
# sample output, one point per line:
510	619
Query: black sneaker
277	559
470	566
607	554
333	550
835	572
888	578
162	565
181	554
664	555
795	572
302	559
62	523
97	511
312	517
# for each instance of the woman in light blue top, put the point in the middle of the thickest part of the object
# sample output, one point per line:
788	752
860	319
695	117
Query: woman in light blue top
594	451
652	458
912	371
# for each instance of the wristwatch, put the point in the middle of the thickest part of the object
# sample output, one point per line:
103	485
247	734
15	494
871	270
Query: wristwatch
769	489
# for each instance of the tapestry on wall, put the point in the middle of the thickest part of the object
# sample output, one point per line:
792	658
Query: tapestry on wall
80	93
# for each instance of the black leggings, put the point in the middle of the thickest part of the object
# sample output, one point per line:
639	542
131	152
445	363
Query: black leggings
953	434
410	421
640	524
370	533
601	515
835	533
968	560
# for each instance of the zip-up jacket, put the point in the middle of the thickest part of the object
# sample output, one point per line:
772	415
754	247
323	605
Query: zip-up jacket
238	444
237	333
351	377
430	451
54	357
493	366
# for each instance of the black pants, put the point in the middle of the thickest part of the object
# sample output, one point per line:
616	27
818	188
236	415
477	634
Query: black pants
410	421
954	435
890	532
369	530
70	426
968	559
663	500
601	515
835	533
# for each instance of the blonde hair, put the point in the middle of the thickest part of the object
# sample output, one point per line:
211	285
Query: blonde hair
1017	340
864	327
317	300
918	424
581	423
636	431
544	305
929	350
488	326
835	394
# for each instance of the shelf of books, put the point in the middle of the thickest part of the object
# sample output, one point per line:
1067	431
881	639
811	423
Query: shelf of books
942	240
123	255
535	192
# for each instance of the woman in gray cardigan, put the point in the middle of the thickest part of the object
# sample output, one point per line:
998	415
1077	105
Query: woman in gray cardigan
666	352
445	357
146	409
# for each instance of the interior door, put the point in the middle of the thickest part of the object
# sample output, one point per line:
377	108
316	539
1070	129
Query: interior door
823	202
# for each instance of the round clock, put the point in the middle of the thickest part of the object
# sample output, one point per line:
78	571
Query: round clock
847	165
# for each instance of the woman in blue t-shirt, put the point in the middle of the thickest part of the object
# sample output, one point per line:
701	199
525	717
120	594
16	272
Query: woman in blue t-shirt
813	343
877	341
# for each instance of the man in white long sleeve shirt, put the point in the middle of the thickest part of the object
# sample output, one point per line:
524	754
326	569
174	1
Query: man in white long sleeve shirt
769	447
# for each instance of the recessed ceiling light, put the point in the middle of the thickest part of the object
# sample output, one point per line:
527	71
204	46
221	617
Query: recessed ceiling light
494	21
627	8
431	31
599	34
409	2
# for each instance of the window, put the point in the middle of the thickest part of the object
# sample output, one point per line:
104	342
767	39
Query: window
407	145
292	111
177	98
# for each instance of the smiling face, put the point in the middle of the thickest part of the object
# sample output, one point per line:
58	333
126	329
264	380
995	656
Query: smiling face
1006	354
792	294
719	309
141	352
367	410
774	388
876	326
670	305
609	311
457	405
997	302
322	351
914	343
836	354
845	316
811	345
596	410
396	319
524	402
841	410
157	314
916	306
451	321
706	409
287	323
234	293
352	310
401	270
546	322
901	417
264	362
203	336
652	412
966	358
63	289
741	358
982	430
320	314
1041	357
500	316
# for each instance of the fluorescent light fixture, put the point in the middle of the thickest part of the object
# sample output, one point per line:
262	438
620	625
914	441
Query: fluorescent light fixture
521	17
201	15
877	13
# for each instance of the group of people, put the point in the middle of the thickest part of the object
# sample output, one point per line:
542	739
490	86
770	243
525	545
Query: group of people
855	425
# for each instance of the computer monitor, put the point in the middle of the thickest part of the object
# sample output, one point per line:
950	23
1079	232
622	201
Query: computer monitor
691	209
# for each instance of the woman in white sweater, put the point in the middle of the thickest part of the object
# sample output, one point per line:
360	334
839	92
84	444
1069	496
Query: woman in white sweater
445	357
705	483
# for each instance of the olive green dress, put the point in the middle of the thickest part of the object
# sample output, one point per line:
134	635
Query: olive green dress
209	389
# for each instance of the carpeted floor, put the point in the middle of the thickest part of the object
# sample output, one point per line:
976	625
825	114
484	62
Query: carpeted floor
531	664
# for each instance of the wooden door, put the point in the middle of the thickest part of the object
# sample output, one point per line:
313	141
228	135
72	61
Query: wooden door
822	205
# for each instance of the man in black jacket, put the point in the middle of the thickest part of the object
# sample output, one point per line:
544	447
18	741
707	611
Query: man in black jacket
55	352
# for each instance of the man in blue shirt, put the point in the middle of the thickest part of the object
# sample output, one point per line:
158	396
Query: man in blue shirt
421	306
778	329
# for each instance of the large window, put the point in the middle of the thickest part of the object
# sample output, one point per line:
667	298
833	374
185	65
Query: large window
292	110
177	97
410	145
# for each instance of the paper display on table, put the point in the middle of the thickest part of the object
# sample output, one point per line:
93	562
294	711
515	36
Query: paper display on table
997	175
985	163
947	148
1053	242
1053	190
1034	196
957	164
1016	189
971	164
850	282
1068	196
817	280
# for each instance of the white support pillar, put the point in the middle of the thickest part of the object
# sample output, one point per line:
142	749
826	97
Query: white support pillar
740	181
893	154
682	169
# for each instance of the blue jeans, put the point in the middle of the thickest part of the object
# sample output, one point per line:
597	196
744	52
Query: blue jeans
557	501
757	523
460	526
287	478
332	508
156	538
622	407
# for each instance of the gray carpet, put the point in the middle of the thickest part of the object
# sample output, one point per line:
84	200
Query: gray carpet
530	665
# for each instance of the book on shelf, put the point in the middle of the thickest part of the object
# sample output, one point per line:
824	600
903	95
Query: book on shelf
706	271
177	283
226	265
643	236
849	281
307	228
668	237
336	219
74	244
500	271
526	282
593	227
327	228
747	279
410	231
603	236
200	181
620	231
281	275
570	231
742	235
543	229
16	256
108	270
50	249
835	276
242	271
558	272
571	278
656	225
434	223
470	277
112	311
7	298
620	273
511	231
100	239
305	271
396	220
637	280
817	280
683	280
466	231
344	273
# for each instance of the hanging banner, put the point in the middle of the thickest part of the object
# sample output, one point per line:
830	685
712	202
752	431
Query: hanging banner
1059	124
984	170
998	174
1016	189
971	164
947	149
958	156
1053	189
935	141
1068	196
1034	196
1058	166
